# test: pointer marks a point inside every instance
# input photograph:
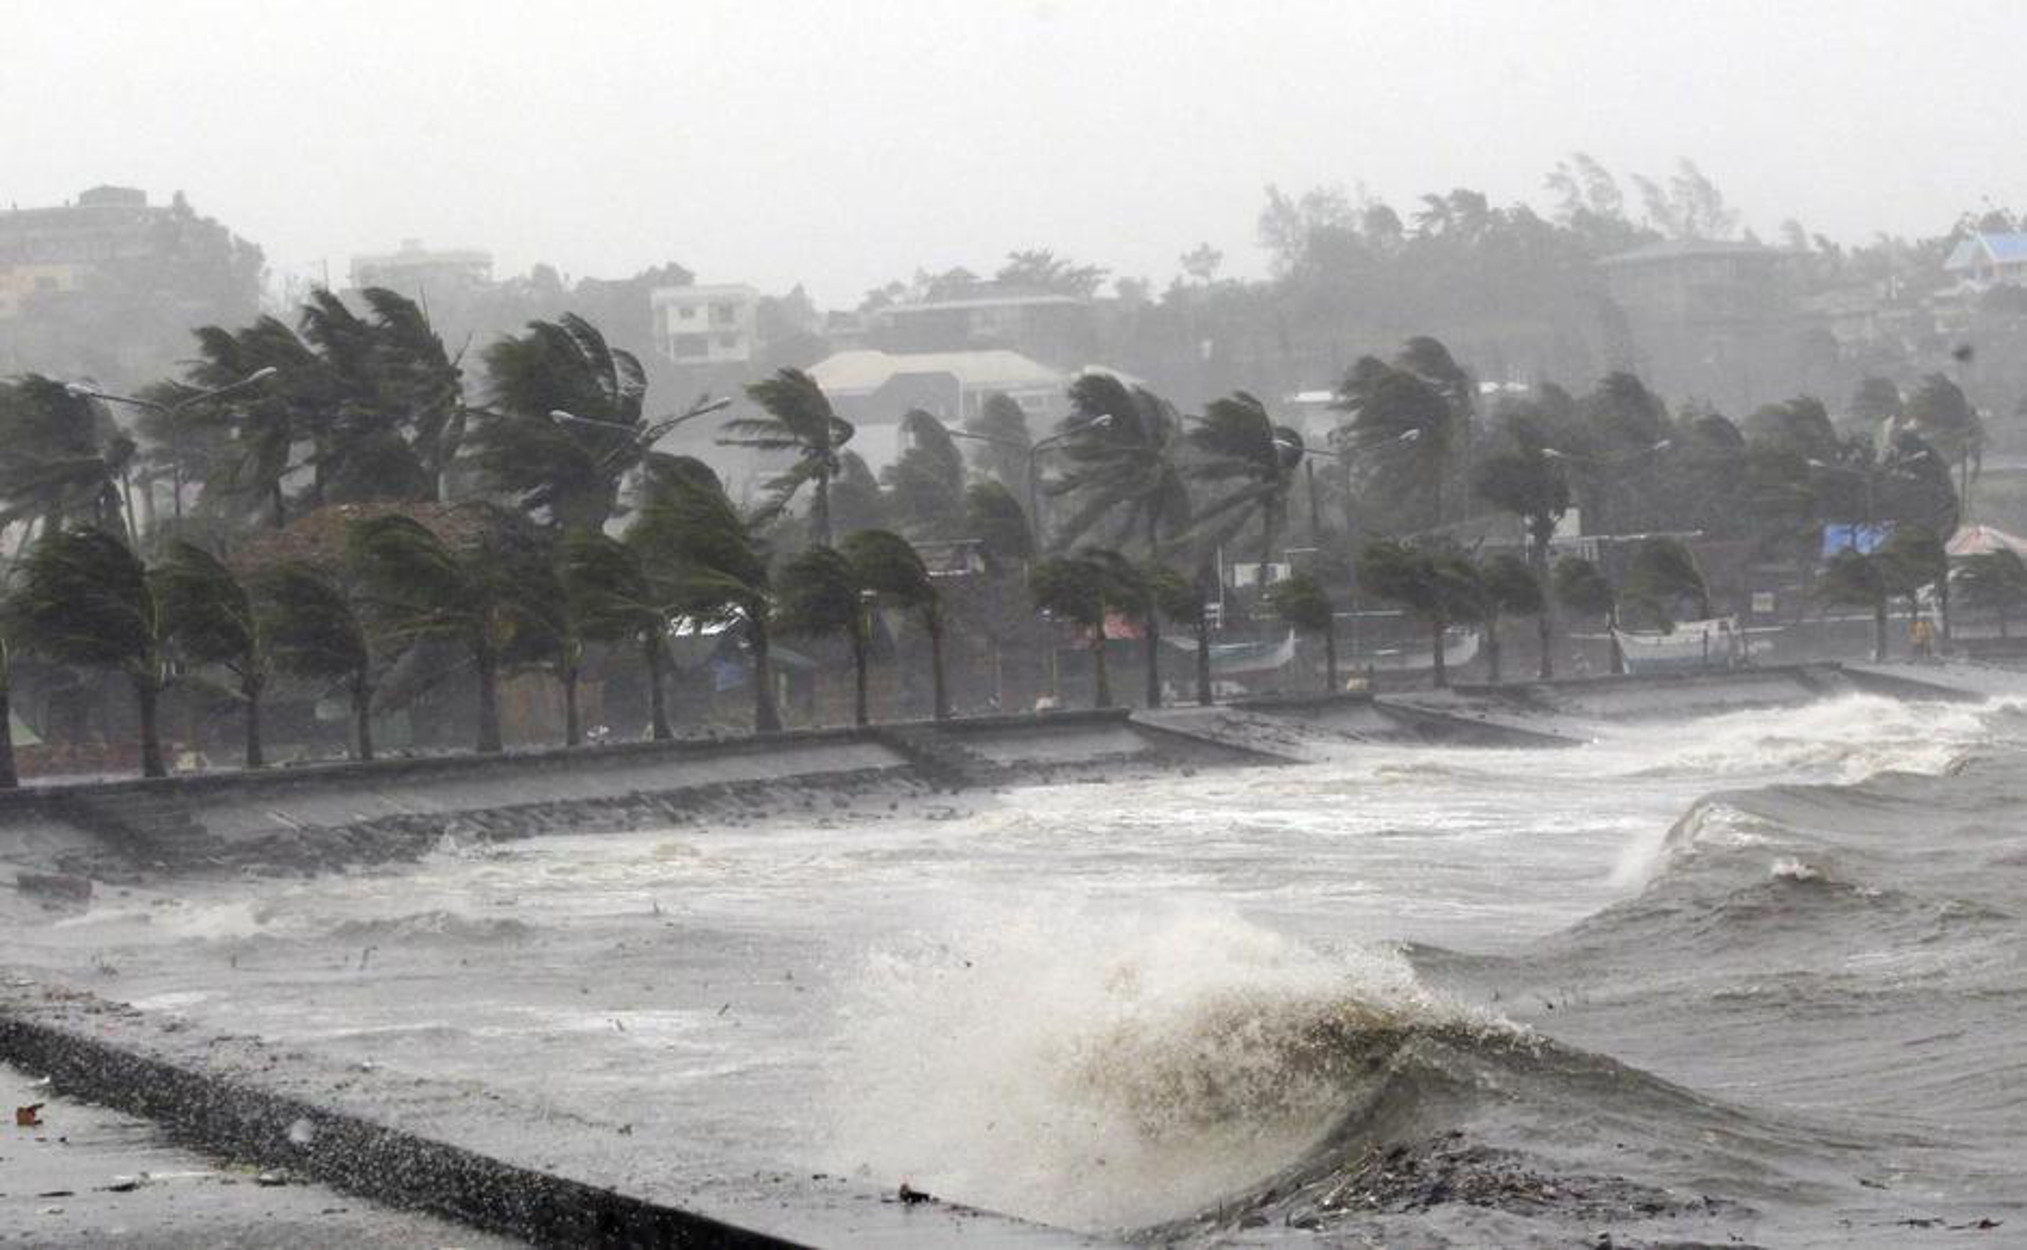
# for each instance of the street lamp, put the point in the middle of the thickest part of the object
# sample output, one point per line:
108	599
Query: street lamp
1102	421
167	410
1556	453
649	435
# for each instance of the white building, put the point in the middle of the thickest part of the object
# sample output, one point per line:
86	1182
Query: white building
424	273
706	325
1984	261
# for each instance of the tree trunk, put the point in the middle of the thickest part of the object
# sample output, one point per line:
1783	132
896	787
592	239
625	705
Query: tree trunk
281	507
1879	631
1612	633
1436	654
9	776
255	757
932	624
362	719
1153	640
658	699
1102	682
1203	659
1492	656
1544	632
1943	607
147	693
820	508
1330	658
573	725
766	717
489	705
1544	624
861	710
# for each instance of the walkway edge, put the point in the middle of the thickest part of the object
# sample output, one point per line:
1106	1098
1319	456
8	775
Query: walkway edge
228	1117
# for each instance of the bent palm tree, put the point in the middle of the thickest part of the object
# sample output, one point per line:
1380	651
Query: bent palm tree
619	598
1583	589
1121	446
1186	601
799	419
1082	590
1507	587
316	631
213	618
61	457
884	563
1254	460
819	598
1436	585
718	570
422	589
1300	601
86	599
926	485
1996	580
570	467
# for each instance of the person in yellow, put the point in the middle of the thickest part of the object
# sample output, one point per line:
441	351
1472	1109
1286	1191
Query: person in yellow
1921	637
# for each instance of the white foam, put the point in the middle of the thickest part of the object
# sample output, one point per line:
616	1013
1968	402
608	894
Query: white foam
1100	1066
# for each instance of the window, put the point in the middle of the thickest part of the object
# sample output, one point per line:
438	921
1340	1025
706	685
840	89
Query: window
688	312
724	314
689	346
728	340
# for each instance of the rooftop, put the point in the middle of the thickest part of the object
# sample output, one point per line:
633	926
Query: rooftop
863	371
1682	249
1997	249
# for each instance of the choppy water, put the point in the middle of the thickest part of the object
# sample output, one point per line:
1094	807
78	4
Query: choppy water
1756	976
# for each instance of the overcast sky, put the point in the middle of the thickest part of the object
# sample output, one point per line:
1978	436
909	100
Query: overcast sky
844	143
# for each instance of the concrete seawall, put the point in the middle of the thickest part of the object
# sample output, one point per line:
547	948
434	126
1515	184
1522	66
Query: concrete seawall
332	814
245	1100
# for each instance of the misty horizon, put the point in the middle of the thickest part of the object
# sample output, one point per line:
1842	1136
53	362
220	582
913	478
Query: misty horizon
842	151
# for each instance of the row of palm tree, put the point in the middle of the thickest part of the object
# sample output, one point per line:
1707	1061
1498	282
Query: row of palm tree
592	538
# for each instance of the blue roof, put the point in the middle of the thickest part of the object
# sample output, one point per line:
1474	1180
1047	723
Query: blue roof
2004	249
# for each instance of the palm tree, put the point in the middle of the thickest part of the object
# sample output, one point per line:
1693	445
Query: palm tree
1532	487
1913	558
1121	445
1437	585
1662	578
1508	587
1082	590
423	589
1185	601
884	563
926	485
551	635
316	631
1996	580
86	599
61	457
212	617
619	596
1299	600
1254	460
993	517
718	569
1003	442
821	596
1403	428
264	427
799	419
1583	589
1858	581
567	423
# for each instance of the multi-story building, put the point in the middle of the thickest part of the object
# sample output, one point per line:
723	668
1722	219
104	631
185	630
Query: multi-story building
1055	329
1708	317
706	325
429	276
111	285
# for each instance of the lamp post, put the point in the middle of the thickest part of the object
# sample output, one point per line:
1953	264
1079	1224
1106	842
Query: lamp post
1607	462
167	410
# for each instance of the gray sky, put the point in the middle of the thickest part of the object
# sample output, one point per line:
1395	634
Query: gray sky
844	143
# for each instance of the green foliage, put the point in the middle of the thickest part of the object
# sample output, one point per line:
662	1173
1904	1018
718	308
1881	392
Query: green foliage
61	455
926	485
1402	430
1437	584
1180	598
1122	471
996	519
798	419
210	615
313	624
1005	457
570	470
1299	600
85	598
1510	586
883	562
1995	580
1662	578
819	595
1251	462
1581	587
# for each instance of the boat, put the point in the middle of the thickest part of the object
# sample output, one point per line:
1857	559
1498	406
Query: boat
1717	642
